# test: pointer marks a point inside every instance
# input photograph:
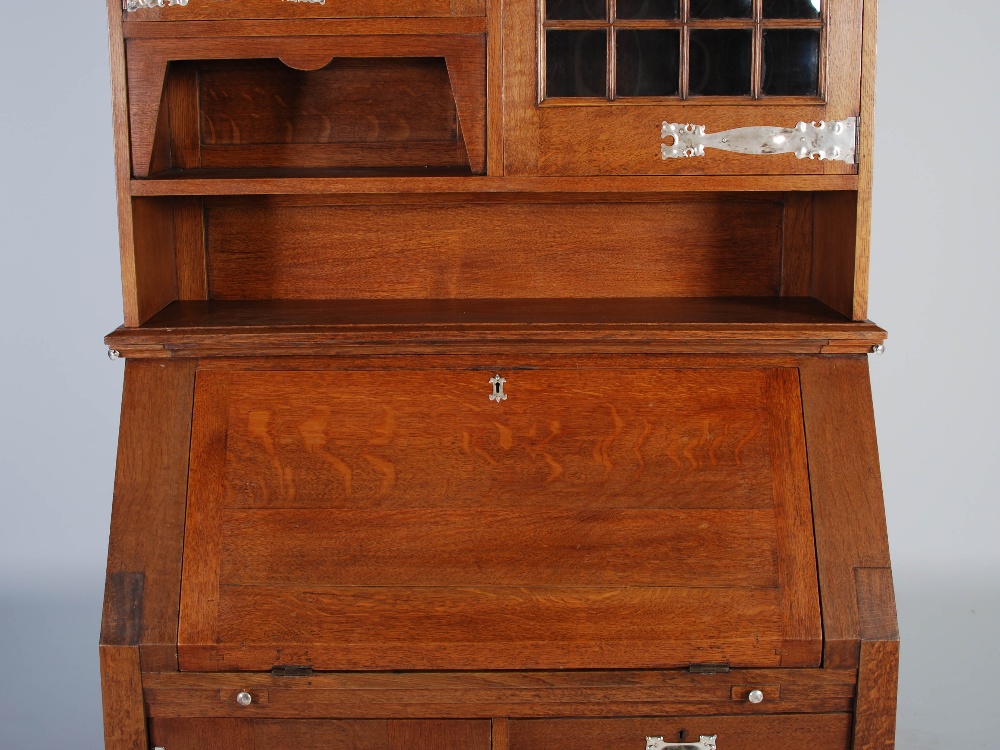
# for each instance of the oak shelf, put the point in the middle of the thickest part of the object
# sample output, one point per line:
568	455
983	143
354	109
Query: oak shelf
226	182
271	327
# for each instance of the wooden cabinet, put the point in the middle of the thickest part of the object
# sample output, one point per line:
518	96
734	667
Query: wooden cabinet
457	418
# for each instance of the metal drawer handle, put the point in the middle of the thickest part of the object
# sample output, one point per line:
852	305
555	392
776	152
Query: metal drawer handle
828	140
704	743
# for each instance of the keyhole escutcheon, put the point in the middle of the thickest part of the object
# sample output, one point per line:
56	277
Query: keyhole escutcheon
498	394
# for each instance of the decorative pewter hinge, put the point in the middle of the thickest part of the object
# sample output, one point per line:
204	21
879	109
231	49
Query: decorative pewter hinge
291	670
827	140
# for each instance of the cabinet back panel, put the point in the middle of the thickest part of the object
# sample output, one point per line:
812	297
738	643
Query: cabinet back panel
696	248
354	112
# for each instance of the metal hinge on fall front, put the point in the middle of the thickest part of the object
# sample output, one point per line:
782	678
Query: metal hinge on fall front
291	670
708	668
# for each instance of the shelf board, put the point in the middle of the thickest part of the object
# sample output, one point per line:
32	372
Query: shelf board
228	182
662	325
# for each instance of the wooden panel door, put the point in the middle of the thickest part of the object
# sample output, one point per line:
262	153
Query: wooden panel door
596	518
588	83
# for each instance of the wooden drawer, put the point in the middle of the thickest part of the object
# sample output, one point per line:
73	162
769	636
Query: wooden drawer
815	732
264	734
599	517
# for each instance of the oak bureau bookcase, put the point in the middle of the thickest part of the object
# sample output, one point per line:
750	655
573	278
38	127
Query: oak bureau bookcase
496	378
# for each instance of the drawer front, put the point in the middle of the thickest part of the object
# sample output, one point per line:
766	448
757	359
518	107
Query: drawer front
815	732
263	734
605	518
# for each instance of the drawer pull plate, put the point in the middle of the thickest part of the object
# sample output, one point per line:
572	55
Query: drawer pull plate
498	383
704	743
832	140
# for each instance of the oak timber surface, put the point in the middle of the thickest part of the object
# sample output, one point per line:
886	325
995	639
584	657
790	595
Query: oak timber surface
400	520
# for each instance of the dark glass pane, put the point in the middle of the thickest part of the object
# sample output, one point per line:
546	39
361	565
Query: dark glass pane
791	8
791	62
648	9
649	62
720	62
721	8
576	63
571	10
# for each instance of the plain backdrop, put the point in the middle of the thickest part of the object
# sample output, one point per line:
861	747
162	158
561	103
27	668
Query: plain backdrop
934	279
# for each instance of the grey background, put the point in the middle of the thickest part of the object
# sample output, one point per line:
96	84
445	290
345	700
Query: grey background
934	274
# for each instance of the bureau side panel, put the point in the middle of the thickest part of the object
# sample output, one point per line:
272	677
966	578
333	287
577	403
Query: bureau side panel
847	493
147	523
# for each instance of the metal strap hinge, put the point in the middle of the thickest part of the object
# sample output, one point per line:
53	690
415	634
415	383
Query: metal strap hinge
291	670
833	140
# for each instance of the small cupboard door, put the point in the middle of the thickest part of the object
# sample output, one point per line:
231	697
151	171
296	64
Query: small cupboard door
403	519
589	83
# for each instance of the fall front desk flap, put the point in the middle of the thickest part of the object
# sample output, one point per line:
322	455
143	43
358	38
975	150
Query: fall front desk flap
579	518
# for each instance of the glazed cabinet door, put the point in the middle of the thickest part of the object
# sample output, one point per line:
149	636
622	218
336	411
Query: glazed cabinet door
599	86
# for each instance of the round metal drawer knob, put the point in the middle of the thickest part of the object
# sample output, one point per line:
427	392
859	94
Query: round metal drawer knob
756	696
244	699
